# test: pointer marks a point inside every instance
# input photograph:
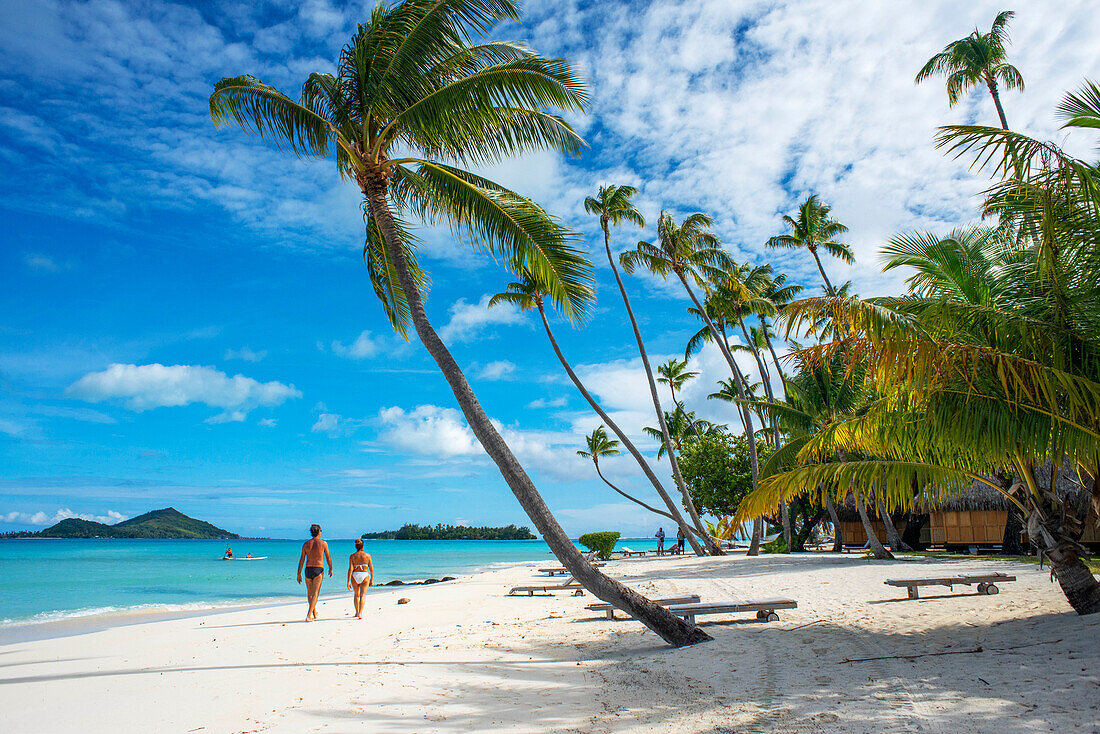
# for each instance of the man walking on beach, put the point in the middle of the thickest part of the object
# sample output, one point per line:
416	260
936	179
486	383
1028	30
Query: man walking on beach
314	554
680	538
660	536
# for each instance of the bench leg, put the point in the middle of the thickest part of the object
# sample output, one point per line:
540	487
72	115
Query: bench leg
913	592
530	593
611	614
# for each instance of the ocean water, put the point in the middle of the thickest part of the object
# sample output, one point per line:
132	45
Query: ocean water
56	579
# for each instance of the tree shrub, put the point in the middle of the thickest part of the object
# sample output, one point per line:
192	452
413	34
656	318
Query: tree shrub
602	542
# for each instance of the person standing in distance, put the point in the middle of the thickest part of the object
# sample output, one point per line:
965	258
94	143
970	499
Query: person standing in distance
314	554
660	536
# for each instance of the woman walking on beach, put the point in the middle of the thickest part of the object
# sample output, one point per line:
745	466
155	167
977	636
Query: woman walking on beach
360	576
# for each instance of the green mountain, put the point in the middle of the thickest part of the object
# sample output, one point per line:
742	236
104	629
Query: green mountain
166	523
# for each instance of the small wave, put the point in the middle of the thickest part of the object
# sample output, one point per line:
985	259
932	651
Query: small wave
108	611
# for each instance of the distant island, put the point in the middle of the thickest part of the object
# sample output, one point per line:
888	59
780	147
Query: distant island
168	523
452	532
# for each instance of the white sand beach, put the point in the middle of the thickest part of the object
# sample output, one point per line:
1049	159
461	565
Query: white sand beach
463	656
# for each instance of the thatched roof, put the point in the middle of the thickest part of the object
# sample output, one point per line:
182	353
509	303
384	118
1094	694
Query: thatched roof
980	496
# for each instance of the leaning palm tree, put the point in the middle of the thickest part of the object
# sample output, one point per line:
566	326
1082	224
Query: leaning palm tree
778	292
613	205
527	294
980	57
414	89
600	445
811	228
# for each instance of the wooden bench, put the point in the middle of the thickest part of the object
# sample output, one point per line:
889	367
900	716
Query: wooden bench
610	608
986	582
627	552
569	585
563	571
764	608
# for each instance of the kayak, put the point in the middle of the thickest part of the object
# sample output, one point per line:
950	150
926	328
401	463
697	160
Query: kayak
253	558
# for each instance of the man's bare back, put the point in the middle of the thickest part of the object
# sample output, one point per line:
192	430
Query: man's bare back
315	550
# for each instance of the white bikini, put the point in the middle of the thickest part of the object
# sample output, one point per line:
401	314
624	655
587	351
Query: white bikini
359	576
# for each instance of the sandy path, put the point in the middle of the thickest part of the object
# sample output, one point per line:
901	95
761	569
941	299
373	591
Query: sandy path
464	657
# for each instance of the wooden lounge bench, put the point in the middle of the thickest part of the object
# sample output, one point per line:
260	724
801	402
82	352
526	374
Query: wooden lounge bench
569	585
764	608
610	608
986	582
563	571
627	552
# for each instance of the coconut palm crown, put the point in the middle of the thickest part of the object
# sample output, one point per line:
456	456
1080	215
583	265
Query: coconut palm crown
980	57
812	228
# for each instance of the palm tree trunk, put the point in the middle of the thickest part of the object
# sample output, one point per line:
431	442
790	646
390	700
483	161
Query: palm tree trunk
674	511
671	628
992	84
838	538
775	359
784	507
892	537
712	547
635	499
739	380
877	548
828	286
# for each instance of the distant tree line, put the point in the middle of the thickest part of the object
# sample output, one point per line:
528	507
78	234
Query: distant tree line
452	532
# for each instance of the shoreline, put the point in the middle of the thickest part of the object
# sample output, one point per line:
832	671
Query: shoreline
464	656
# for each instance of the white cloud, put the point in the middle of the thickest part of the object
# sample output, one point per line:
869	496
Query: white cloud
548	403
363	347
41	518
499	370
336	425
45	263
246	354
432	430
143	387
268	422
13	428
468	320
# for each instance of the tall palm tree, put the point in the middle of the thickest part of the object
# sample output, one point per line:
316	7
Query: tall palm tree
683	426
812	228
414	89
600	445
691	251
613	205
778	292
527	294
980	57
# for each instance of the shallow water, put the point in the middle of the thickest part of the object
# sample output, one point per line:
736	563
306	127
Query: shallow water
56	579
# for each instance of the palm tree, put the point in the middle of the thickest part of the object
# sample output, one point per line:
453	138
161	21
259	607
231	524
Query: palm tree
600	446
527	294
778	293
413	89
675	374
814	228
613	205
980	57
682	426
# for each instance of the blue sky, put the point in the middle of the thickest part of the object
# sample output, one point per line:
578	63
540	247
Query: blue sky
185	318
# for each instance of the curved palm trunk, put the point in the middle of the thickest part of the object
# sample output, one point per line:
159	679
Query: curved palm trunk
632	499
892	536
877	549
674	511
838	539
828	286
746	416
775	359
671	628
712	547
784	507
992	84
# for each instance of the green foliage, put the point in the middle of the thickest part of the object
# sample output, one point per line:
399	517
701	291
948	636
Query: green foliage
452	532
717	471
602	542
778	545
